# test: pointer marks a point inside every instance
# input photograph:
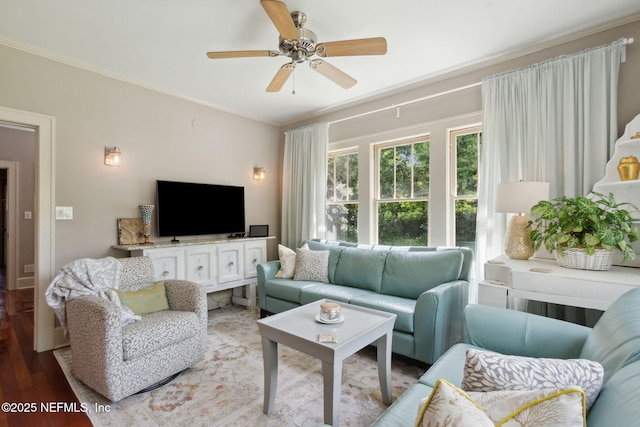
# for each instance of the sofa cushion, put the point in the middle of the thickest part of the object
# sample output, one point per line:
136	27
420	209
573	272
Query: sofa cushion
489	371
614	341
360	268
158	330
286	289
318	291
146	300
312	265
403	308
408	274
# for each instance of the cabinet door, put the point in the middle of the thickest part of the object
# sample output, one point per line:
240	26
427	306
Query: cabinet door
254	253
167	263
229	262
201	264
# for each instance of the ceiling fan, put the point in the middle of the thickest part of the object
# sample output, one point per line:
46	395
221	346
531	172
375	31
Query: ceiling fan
300	44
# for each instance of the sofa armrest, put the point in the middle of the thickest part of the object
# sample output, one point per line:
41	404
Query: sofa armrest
95	335
438	319
266	271
523	334
184	295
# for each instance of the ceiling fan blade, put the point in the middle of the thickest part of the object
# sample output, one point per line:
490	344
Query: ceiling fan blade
332	73
281	18
241	54
281	77
372	46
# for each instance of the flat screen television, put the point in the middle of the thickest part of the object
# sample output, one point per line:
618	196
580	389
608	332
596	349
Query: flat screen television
193	209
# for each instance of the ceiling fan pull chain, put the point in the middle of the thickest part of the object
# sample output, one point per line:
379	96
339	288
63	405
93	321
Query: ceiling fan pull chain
293	92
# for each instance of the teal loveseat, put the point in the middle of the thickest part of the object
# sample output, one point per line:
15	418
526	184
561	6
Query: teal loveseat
426	287
614	342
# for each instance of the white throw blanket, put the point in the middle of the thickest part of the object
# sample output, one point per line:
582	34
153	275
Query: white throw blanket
86	276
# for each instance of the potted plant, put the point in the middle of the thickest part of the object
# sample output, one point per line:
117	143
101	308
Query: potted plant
585	230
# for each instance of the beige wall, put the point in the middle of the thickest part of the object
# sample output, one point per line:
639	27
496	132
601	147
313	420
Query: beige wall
161	137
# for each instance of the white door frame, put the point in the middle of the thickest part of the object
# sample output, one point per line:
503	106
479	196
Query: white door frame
11	254
44	318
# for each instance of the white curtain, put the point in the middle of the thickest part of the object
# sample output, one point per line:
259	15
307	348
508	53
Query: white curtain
554	121
304	184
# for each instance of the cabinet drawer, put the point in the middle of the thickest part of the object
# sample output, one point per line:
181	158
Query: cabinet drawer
229	262
202	264
167	263
254	254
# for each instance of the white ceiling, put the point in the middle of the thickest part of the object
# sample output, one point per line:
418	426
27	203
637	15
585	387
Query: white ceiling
162	44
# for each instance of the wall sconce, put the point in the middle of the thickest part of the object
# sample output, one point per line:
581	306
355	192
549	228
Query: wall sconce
112	156
518	198
258	174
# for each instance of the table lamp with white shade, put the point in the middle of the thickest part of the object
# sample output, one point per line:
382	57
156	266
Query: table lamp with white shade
518	198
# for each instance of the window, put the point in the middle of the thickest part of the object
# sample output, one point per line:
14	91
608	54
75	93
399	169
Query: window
402	200
342	196
465	152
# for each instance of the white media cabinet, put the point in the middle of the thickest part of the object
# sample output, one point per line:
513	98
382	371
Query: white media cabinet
216	264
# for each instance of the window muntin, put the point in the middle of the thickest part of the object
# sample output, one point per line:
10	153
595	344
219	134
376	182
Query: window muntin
402	202
342	196
465	146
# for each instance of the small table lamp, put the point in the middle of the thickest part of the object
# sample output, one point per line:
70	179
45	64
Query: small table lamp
519	197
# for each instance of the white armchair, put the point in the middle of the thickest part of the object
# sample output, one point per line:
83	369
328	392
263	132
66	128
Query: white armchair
119	361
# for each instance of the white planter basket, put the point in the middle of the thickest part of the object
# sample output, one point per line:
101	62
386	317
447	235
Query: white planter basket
578	258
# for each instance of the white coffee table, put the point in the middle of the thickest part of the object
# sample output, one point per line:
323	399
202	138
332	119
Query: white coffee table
298	329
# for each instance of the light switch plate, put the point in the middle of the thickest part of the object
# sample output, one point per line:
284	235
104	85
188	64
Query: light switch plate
64	212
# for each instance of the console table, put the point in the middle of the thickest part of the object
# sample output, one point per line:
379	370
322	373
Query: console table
216	264
509	283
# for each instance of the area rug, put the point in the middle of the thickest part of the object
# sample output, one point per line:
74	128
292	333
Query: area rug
226	389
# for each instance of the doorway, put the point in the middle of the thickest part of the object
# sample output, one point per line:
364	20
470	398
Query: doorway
44	318
8	193
3	232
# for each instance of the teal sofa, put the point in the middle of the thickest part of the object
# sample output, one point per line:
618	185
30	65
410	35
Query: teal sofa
614	342
426	287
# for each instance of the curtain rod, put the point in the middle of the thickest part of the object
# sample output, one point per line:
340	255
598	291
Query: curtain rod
626	41
397	106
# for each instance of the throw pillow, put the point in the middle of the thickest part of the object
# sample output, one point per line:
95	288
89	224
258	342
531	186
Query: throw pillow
287	261
448	405
312	265
147	300
489	371
542	407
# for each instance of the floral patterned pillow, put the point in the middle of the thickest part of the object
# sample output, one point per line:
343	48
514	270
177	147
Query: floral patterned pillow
489	371
312	266
448	405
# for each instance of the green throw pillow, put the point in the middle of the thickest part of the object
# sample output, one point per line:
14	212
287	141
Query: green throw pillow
148	300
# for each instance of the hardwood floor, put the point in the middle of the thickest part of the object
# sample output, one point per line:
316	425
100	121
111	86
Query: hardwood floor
27	378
